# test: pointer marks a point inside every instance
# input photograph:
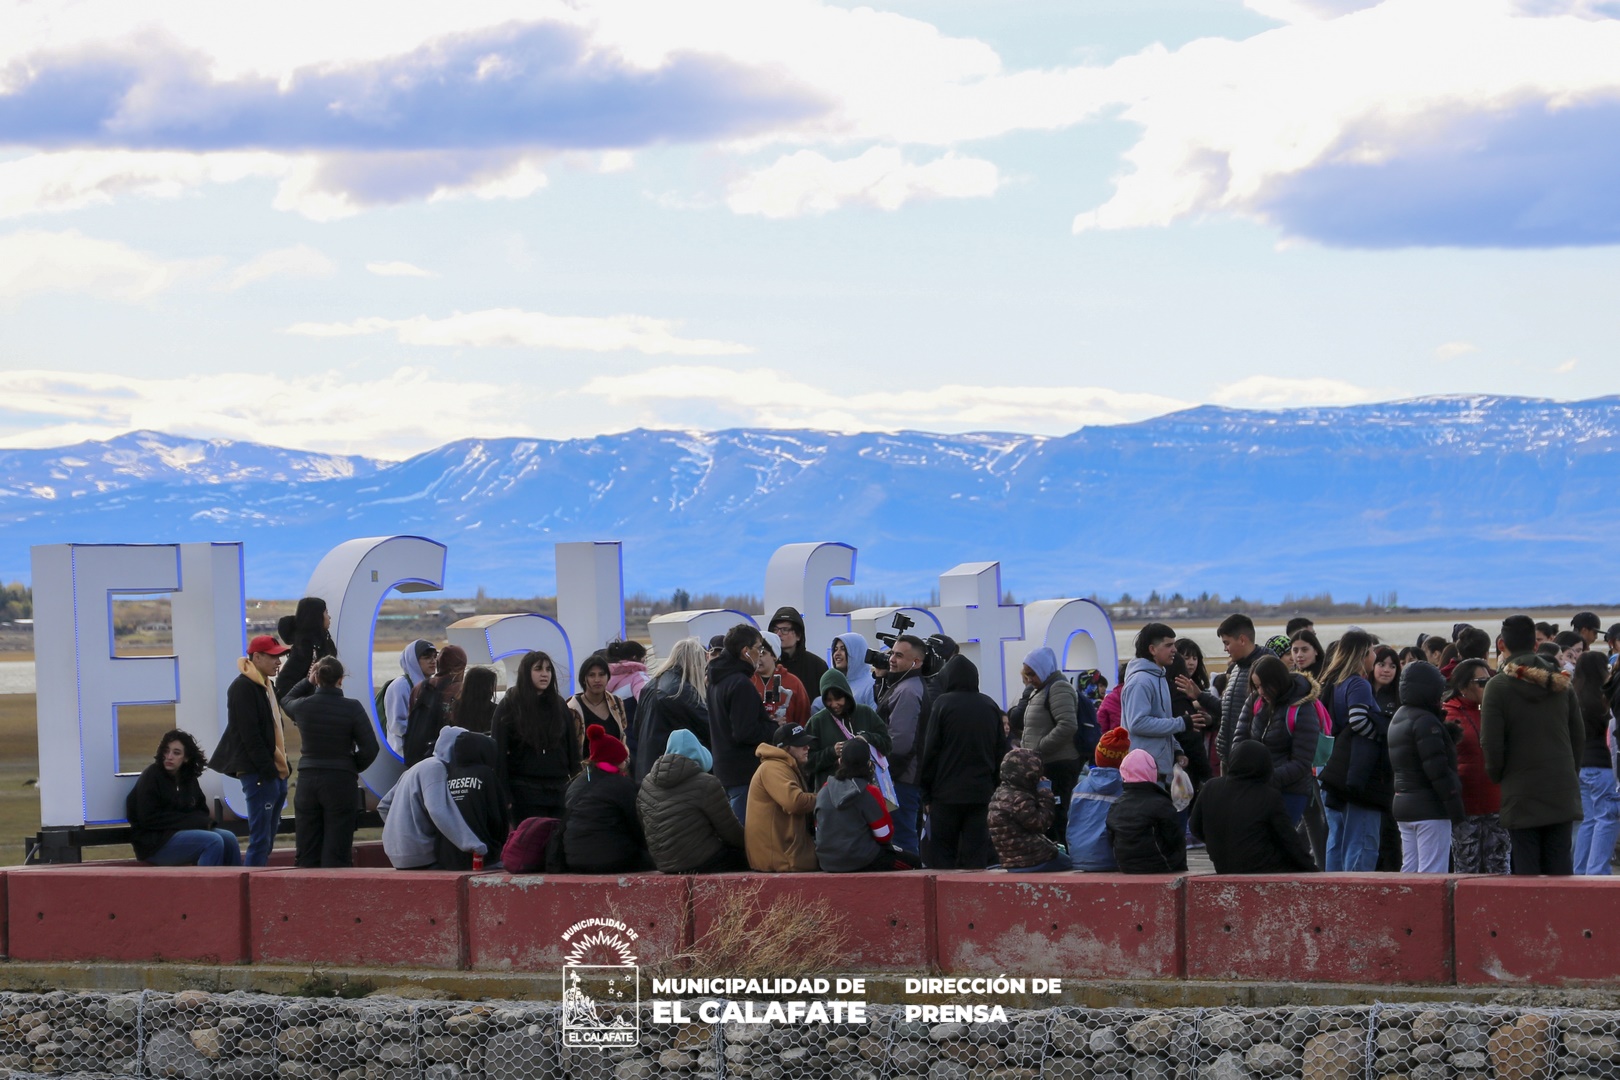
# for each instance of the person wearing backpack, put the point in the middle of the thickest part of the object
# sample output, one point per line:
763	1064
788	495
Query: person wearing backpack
1356	782
1284	712
1049	730
417	662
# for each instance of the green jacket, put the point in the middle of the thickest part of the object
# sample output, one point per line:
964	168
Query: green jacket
825	735
1532	735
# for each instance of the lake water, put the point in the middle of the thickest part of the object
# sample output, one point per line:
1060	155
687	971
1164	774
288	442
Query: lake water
17	676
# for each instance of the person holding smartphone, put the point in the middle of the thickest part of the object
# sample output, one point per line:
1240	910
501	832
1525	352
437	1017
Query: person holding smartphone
785	698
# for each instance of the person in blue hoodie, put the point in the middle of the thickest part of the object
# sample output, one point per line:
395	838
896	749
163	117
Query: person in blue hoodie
849	657
1099	789
1145	711
419	809
418	660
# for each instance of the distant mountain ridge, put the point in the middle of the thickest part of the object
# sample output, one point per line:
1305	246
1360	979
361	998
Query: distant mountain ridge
1449	500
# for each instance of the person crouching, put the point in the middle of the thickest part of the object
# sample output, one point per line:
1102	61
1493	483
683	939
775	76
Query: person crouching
1242	819
1021	812
601	832
776	824
685	814
854	833
1143	825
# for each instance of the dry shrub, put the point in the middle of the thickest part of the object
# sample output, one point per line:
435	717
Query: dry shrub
790	936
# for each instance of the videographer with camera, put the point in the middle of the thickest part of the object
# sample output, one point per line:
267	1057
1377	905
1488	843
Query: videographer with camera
900	704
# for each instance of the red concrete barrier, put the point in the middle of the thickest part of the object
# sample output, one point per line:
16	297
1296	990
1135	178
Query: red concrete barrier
1537	931
1333	928
370	918
370	855
129	913
516	922
5	943
888	918
1089	926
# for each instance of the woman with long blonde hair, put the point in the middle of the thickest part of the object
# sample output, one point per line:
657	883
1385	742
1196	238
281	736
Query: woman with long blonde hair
674	699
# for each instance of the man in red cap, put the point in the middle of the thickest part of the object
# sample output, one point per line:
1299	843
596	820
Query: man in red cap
253	748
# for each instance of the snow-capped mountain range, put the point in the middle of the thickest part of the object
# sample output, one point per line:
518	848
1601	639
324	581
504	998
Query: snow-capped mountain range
1454	500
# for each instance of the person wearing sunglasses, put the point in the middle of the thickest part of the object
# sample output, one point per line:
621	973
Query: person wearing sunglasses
1479	844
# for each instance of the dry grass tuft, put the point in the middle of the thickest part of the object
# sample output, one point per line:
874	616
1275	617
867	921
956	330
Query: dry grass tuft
789	937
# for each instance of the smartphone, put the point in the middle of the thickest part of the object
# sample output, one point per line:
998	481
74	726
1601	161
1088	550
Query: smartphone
773	691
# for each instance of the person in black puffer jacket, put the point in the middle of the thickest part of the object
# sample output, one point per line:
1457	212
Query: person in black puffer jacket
537	747
1143	826
1241	818
601	831
168	813
308	635
685	814
1277	692
738	723
338	745
1423	754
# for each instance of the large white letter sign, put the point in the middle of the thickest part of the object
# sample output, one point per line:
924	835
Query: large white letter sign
210	633
489	639
802	576
971	611
1078	631
354	578
666	630
590	593
81	683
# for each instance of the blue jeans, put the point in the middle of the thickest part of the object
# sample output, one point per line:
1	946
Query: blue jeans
1055	865
1600	822
1294	806
909	796
739	801
264	798
199	847
1352	842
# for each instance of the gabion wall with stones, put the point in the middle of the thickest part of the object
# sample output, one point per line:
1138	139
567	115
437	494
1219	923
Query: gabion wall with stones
200	1036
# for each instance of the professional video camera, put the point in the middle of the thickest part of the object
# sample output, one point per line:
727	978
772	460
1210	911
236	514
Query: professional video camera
899	625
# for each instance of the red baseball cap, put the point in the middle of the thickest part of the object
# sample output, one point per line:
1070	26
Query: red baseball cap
266	644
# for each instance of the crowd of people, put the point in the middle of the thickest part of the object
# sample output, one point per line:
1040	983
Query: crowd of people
1481	753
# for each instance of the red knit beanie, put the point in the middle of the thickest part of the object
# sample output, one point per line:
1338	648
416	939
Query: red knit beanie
1112	748
605	749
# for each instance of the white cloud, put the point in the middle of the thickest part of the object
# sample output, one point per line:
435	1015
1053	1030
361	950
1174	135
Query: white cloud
397	269
511	327
1275	392
1567	366
1462	122
1453	349
808	183
299	261
384	417
39	262
74	179
765	397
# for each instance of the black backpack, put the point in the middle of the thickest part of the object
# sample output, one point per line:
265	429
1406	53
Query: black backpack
424	723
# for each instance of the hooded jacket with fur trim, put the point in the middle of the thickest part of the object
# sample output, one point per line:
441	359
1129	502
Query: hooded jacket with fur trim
1532	732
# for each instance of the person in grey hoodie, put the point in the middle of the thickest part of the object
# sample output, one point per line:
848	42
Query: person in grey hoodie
418	660
853	830
1145	699
1050	711
418	810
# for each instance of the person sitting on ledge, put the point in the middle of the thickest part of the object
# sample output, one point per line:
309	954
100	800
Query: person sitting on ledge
601	833
776	825
168	813
853	830
685	814
1242	819
1021	812
418	810
1143	825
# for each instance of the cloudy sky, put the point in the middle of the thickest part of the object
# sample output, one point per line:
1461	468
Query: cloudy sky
377	226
